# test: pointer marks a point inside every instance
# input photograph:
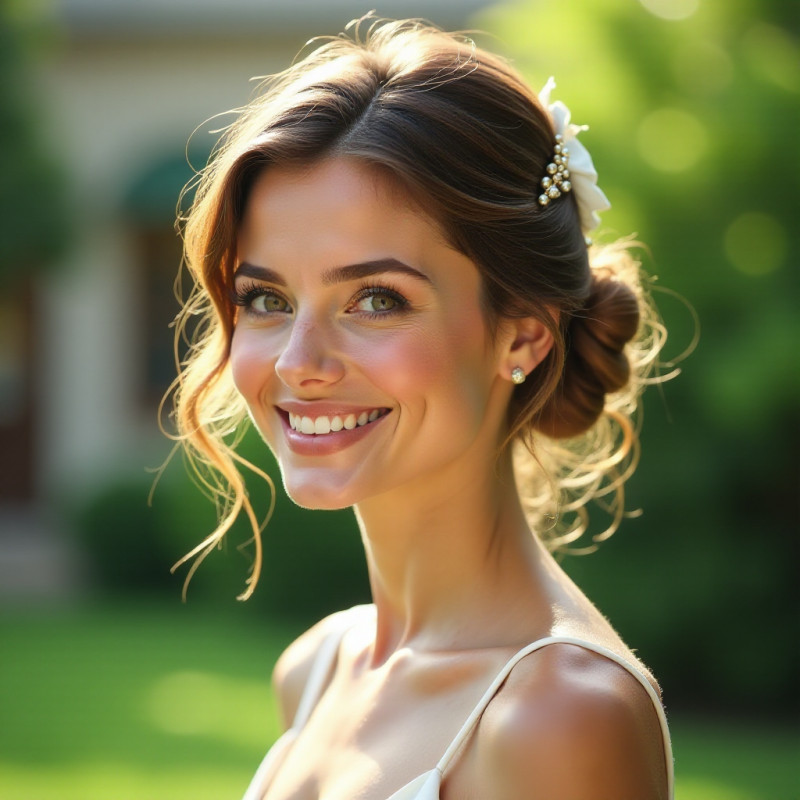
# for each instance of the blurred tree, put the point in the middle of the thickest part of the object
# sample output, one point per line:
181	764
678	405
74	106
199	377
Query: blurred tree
33	231
694	110
33	216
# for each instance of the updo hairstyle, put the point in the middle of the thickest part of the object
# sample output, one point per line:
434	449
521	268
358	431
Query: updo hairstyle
463	134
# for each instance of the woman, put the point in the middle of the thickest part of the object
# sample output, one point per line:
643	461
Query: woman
390	254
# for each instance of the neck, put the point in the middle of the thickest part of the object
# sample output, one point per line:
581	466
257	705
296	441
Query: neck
452	562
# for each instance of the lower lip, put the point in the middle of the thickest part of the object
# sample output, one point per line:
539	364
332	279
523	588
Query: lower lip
323	444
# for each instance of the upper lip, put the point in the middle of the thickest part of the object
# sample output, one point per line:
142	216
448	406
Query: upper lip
324	409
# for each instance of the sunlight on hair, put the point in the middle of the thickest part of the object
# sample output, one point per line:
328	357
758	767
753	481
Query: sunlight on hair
671	140
209	428
756	243
671	9
565	476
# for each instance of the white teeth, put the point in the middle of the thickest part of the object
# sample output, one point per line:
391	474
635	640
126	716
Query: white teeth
322	425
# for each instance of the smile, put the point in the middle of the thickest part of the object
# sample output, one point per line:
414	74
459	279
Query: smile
322	425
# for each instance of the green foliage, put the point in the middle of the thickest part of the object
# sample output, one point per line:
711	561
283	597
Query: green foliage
33	216
693	131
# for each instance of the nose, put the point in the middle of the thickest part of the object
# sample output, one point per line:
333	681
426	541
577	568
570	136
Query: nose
309	358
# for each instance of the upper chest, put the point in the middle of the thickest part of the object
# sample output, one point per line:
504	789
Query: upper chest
375	730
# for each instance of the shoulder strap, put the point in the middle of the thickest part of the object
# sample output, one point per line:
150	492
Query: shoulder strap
324	660
476	714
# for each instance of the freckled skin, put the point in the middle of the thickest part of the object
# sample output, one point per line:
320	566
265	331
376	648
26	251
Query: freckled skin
432	364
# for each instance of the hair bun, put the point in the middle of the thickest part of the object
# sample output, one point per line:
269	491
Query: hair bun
596	363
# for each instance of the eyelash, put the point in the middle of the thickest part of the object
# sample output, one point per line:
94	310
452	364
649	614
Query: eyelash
370	290
246	293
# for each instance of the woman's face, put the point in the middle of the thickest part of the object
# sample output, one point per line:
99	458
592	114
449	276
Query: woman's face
360	344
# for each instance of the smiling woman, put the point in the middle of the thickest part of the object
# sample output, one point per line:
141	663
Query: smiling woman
366	321
391	262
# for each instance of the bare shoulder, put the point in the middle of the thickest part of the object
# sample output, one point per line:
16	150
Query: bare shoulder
292	670
570	723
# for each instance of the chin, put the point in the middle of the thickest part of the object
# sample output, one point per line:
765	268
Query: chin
315	495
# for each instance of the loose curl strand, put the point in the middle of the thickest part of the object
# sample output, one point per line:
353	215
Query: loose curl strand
567	464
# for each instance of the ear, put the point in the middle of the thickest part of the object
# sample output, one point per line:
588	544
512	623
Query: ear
528	342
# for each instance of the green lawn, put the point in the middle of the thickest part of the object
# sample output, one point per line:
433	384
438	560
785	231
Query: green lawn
170	703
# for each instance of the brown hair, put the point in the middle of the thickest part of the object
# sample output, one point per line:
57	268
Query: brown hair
464	134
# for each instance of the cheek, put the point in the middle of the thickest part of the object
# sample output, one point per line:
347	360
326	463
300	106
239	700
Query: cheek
462	370
251	363
444	364
403	363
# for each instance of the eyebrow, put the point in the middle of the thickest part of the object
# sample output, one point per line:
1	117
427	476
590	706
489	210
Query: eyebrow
248	270
350	272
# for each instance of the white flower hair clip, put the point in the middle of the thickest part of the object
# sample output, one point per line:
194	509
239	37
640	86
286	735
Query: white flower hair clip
571	168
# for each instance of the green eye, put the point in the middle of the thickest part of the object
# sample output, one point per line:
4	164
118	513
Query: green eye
269	303
381	302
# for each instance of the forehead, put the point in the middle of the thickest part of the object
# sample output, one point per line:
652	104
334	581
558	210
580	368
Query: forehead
332	206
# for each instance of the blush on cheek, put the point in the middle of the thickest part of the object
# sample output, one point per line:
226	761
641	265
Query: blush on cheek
248	365
402	364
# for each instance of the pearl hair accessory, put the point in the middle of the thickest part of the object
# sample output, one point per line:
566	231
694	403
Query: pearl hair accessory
518	375
572	168
557	179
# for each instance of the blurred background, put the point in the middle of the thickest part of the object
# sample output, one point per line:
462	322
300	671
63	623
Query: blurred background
109	685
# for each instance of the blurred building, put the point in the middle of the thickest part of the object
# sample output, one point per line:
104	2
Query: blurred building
124	88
